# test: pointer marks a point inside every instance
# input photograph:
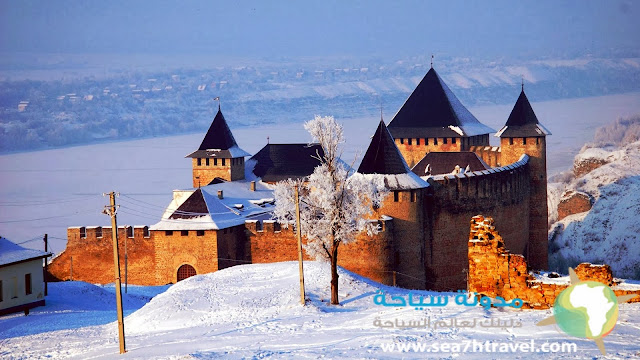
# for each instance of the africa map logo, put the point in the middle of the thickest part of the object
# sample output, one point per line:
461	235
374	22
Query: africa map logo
586	309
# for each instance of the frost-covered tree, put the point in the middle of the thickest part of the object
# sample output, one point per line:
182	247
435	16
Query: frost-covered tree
334	207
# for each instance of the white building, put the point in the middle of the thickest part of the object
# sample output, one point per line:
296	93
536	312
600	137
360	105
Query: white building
21	277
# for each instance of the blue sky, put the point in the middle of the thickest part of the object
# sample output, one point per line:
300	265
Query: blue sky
279	28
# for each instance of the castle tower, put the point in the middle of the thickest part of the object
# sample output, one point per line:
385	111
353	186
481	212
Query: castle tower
405	204
433	119
218	155
523	134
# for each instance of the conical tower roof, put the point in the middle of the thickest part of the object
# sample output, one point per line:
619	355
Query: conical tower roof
522	121
383	160
432	110
219	141
383	156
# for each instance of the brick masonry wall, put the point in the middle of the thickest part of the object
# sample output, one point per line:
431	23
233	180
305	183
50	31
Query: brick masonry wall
489	154
413	152
536	149
502	193
495	271
93	257
152	260
233	169
408	251
371	257
175	250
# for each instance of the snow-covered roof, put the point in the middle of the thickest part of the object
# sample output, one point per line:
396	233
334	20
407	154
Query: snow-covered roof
202	209
433	110
404	181
232	152
11	253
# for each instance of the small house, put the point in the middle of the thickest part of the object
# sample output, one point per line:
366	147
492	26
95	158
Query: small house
21	277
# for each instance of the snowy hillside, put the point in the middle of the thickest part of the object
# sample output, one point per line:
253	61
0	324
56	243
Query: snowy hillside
610	231
253	311
75	304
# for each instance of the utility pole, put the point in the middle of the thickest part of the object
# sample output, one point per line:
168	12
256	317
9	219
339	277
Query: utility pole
299	235
125	260
46	249
111	211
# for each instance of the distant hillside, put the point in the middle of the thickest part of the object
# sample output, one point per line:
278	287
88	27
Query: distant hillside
80	101
598	205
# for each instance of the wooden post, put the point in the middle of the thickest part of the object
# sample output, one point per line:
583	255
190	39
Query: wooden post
126	259
46	249
299	236
116	260
394	278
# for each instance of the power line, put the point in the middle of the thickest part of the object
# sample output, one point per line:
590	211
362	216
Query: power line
41	201
44	218
30	240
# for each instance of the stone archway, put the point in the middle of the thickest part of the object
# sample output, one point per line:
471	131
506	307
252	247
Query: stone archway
186	271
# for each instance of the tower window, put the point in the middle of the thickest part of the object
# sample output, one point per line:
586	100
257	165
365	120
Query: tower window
537	141
207	161
409	141
215	162
396	196
417	141
184	233
453	140
199	161
401	141
426	141
223	162
414	196
444	140
435	141
200	232
510	141
168	232
524	141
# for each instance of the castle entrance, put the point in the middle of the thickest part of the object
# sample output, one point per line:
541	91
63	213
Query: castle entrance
185	271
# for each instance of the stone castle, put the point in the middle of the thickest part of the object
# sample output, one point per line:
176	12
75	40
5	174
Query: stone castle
435	159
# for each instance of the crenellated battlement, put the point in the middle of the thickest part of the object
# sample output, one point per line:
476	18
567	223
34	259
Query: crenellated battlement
80	234
489	154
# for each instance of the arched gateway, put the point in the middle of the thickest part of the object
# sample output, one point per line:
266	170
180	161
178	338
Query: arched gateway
185	271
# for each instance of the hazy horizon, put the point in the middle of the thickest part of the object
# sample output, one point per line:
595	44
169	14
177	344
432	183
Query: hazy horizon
284	29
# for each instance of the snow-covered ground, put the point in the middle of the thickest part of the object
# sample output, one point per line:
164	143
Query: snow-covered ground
48	191
253	311
610	232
